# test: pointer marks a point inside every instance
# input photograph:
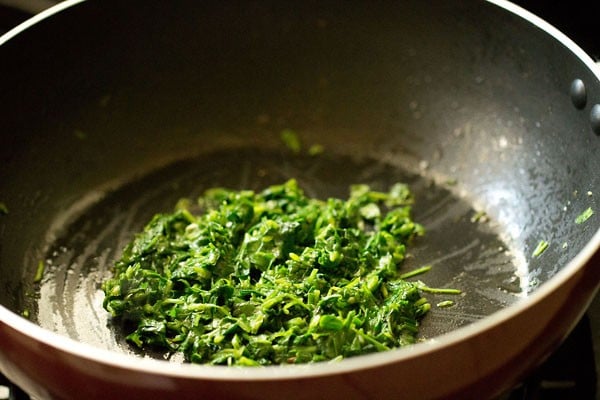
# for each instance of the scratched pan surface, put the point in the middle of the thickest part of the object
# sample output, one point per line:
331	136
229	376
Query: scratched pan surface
107	122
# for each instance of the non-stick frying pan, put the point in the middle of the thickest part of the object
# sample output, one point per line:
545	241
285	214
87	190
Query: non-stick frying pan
112	110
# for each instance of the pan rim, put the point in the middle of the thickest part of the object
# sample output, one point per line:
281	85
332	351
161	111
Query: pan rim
282	372
37	18
272	373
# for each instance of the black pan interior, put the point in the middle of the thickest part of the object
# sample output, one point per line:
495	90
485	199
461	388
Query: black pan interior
113	110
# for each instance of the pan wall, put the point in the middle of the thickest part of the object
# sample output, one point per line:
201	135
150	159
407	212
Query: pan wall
107	91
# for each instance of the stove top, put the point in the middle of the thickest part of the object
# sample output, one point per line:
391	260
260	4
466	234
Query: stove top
573	371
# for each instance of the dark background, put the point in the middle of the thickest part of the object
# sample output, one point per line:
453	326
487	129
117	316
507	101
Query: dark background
578	19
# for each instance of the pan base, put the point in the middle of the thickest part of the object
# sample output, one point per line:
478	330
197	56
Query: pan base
461	244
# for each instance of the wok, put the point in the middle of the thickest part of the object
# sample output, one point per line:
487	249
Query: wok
113	110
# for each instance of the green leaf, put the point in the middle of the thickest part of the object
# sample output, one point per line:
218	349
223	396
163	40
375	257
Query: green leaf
291	140
584	216
541	247
271	277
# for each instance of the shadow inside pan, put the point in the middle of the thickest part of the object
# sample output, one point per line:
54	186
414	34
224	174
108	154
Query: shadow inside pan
465	252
